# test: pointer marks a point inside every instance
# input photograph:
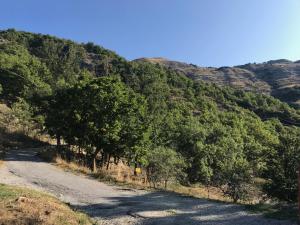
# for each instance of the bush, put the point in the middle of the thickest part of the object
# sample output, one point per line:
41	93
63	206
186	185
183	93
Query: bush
164	165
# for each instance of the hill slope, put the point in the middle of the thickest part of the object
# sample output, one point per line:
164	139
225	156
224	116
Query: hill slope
35	64
279	78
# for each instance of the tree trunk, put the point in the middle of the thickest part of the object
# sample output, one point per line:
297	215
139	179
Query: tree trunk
116	160
58	140
235	200
135	166
102	160
108	161
207	187
166	183
94	163
94	166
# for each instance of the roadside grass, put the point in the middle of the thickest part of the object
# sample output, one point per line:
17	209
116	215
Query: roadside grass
279	211
103	175
199	191
100	175
25	206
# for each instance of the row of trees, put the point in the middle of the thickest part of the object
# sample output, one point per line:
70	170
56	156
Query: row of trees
101	116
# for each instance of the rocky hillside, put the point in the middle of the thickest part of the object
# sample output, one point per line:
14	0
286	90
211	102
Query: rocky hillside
279	78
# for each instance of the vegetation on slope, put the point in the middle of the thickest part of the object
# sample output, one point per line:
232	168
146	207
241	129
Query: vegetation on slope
278	78
139	112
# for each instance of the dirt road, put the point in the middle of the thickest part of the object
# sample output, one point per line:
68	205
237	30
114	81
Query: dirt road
113	205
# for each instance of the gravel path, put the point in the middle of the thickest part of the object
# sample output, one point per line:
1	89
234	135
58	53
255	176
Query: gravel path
113	205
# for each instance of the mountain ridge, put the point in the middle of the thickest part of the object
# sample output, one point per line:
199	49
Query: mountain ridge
279	78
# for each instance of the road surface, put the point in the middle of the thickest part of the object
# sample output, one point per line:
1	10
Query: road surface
110	204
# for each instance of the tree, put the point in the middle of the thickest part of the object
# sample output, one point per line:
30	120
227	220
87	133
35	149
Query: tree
235	178
282	165
106	103
101	115
164	164
216	152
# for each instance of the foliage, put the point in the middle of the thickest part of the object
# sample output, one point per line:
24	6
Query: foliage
164	164
20	74
103	116
283	164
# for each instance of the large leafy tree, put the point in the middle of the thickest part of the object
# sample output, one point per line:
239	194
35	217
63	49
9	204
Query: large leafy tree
282	165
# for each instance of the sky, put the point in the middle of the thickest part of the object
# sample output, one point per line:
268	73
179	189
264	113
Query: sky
202	32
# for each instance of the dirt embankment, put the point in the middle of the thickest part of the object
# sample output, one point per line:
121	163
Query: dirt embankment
22	206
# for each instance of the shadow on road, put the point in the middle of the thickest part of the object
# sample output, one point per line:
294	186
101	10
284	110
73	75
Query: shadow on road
18	139
168	208
29	155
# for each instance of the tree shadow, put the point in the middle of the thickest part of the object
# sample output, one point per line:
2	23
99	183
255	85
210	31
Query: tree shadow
27	155
170	208
16	146
18	140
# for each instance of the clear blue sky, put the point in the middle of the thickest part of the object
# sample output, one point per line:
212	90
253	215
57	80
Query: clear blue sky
203	32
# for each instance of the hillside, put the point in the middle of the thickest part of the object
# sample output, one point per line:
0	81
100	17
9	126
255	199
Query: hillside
146	114
279	78
49	63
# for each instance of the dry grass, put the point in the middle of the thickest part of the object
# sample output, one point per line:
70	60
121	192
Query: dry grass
20	206
101	174
212	193
122	175
71	166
